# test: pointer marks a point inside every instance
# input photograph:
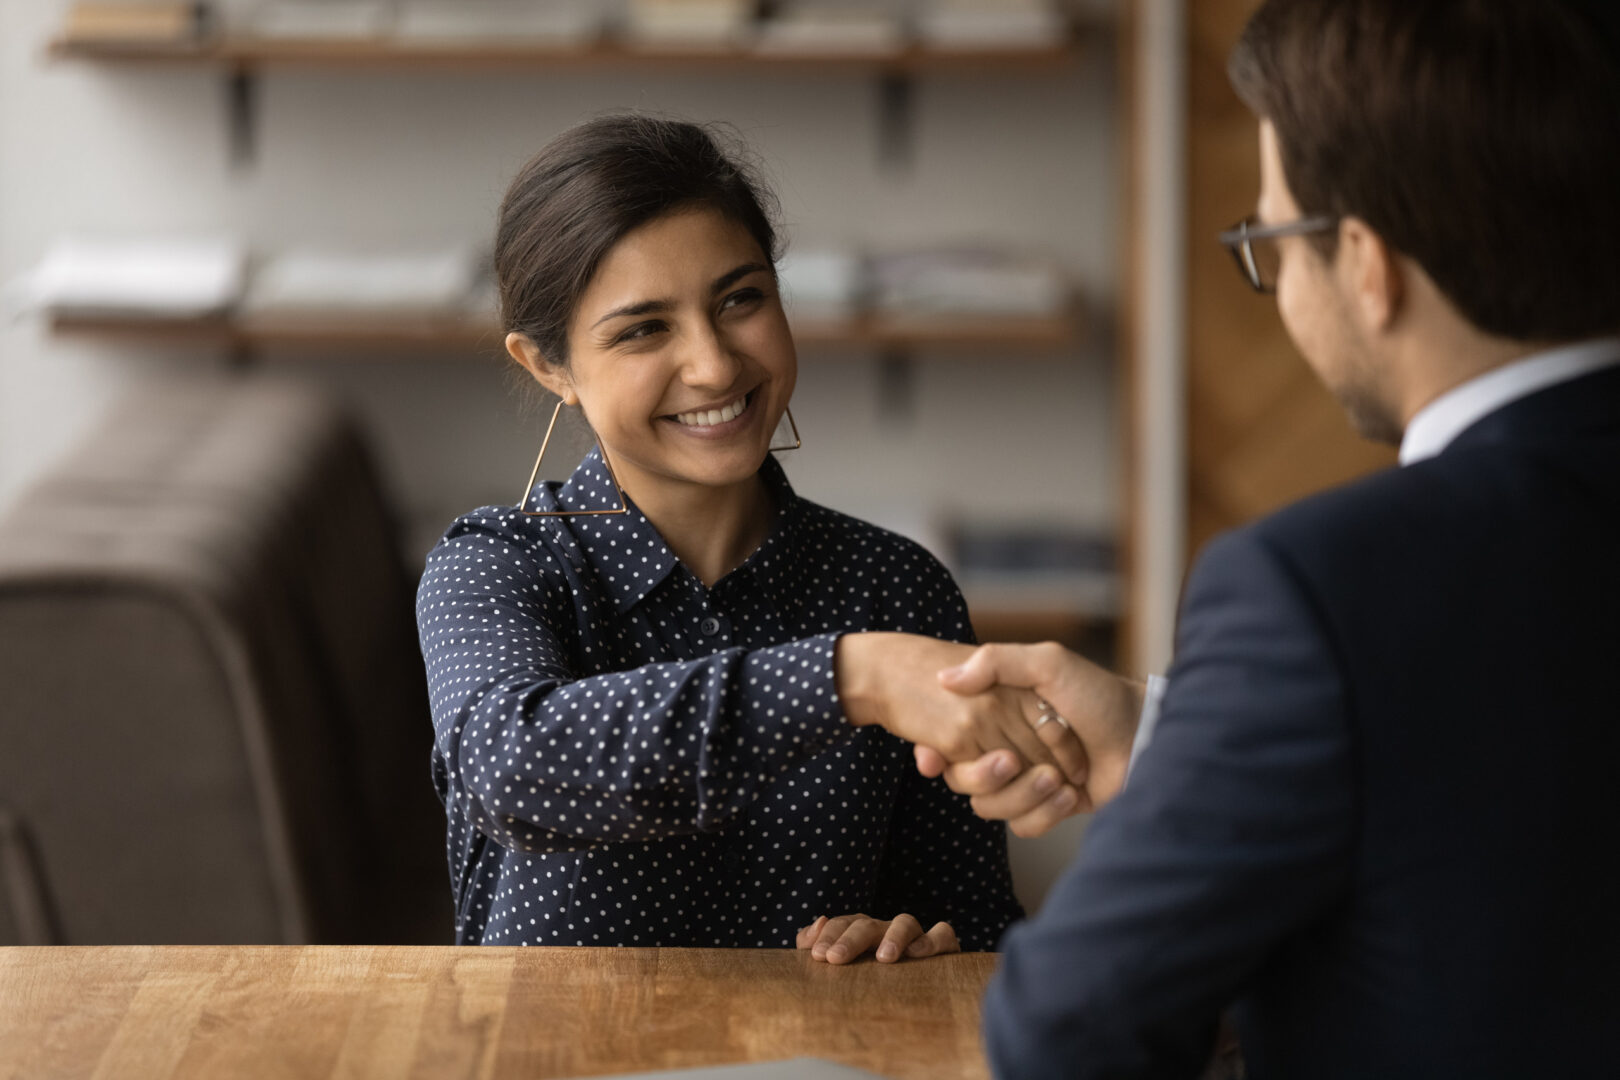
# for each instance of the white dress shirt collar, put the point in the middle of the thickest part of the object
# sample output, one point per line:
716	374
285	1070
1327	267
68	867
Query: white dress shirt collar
1450	414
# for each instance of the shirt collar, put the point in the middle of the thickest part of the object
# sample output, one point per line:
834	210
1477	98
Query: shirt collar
1447	416
627	551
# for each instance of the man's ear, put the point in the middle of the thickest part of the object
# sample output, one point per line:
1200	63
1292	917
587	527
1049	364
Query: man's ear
551	376
1371	273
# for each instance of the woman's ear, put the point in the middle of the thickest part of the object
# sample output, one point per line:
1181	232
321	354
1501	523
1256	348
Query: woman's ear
1372	273
551	376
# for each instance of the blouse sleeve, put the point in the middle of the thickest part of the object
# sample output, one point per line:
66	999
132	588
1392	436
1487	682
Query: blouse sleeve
943	862
541	759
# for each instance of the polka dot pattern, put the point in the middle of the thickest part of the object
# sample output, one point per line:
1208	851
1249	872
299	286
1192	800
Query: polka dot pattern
629	757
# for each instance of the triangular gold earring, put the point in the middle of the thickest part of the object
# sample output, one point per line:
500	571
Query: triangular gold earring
527	491
797	442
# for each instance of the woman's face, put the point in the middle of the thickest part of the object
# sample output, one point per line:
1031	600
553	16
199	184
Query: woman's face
680	354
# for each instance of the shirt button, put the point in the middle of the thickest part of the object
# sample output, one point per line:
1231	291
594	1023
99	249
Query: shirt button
710	626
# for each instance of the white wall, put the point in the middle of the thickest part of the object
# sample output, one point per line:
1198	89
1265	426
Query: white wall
400	159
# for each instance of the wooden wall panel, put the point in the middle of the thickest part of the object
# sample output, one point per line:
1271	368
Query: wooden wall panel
1262	431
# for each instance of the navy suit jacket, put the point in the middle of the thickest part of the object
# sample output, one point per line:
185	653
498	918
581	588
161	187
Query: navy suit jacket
1379	814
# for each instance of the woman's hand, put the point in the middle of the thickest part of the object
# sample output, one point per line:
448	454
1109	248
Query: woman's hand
893	680
848	937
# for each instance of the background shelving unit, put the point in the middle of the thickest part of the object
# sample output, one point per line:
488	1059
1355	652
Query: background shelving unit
896	346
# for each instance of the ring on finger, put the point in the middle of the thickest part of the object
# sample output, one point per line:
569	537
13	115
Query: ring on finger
1049	715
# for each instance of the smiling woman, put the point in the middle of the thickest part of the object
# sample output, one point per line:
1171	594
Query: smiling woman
679	724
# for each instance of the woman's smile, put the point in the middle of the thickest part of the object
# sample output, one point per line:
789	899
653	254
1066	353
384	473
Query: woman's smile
716	421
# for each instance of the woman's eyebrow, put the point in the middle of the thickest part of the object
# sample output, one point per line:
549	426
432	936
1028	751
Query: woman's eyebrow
730	278
645	307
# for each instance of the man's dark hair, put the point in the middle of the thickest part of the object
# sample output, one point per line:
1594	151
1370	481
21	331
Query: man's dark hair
587	188
1480	138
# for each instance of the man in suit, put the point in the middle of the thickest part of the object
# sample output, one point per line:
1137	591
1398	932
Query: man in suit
1376	814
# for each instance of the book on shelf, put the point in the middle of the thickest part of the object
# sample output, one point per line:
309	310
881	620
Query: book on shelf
567	24
689	24
967	25
160	278
971	281
335	285
818	29
164	23
321	20
1036	567
821	285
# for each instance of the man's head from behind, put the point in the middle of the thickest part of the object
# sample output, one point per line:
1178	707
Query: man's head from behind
1470	152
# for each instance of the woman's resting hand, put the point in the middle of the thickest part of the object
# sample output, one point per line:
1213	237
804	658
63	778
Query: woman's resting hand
849	937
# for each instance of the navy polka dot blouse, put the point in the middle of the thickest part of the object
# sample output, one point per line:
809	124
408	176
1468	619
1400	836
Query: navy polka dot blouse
628	757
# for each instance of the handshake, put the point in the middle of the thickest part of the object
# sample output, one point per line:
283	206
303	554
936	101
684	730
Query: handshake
1032	733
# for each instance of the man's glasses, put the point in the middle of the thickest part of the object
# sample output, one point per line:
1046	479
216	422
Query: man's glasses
1254	246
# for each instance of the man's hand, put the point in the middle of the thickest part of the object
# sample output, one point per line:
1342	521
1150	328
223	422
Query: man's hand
893	680
1100	707
1029	799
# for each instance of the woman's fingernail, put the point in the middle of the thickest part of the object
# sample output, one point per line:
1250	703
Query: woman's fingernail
1065	800
837	952
887	951
1003	767
1045	783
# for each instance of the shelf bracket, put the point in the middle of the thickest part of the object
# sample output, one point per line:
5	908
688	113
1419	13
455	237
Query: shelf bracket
242	115
897	119
896	384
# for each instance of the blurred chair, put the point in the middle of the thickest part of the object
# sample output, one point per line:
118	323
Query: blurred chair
213	719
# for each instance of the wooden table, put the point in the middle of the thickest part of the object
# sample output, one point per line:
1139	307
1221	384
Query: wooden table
361	1011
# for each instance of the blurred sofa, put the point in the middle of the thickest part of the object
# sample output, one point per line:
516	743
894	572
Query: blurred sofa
213	720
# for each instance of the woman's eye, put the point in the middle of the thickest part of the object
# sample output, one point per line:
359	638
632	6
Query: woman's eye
639	331
741	297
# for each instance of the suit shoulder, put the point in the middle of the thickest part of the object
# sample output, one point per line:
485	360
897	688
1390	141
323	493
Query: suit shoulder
1390	509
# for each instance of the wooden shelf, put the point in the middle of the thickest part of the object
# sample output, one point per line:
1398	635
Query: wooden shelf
248	53
469	334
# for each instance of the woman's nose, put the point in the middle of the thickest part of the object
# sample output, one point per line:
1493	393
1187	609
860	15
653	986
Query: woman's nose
708	360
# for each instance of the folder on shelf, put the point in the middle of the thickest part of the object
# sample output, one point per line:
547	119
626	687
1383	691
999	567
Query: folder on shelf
970	281
1034	567
348	283
689	24
821	285
966	25
815	29
157	278
562	25
321	20
165	23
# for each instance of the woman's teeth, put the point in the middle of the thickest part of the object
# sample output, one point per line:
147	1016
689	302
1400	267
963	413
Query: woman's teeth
712	417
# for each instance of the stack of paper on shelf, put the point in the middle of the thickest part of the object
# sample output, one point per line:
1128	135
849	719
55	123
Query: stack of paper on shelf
970	281
991	24
166	23
321	20
561	24
689	24
1036	566
440	283
820	285
820	29
157	278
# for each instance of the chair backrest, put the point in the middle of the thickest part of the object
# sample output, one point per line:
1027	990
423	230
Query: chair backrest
214	725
